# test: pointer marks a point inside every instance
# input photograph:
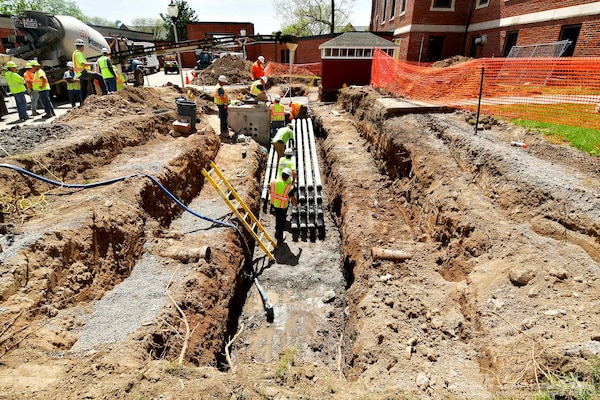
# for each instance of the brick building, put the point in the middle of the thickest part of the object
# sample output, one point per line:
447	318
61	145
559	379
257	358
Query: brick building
430	30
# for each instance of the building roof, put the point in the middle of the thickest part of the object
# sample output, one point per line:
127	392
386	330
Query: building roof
357	39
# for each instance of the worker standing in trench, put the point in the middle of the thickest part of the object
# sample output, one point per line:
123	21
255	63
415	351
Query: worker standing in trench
277	111
221	99
282	192
287	162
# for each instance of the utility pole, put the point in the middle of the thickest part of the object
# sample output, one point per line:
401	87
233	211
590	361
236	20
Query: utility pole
332	17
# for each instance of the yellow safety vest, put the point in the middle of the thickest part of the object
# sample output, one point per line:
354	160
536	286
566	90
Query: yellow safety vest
16	83
254	90
39	83
121	81
71	85
78	59
104	70
277	112
284	163
221	100
280	193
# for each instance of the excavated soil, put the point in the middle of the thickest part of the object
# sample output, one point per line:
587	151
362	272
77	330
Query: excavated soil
138	283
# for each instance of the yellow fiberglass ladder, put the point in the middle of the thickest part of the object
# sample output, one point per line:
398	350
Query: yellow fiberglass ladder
239	208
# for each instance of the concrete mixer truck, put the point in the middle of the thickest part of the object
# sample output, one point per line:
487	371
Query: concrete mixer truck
51	40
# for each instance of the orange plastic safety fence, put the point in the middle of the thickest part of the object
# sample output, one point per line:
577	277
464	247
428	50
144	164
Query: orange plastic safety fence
553	90
276	69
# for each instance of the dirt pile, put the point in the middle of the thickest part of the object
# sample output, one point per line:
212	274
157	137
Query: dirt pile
450	61
234	68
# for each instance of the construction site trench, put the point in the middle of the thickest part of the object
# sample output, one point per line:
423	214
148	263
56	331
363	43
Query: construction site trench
453	265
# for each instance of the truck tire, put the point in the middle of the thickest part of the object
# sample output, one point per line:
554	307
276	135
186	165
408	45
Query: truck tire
139	78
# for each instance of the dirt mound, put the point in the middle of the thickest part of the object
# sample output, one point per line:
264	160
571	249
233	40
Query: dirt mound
234	68
451	61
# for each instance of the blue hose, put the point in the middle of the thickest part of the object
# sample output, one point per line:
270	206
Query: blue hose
267	305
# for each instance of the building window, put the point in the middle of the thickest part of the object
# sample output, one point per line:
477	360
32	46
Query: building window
393	9
403	7
482	3
384	12
570	32
510	42
443	4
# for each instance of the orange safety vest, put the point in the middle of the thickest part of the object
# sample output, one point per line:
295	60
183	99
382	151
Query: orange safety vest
28	75
280	193
295	109
277	112
221	100
258	71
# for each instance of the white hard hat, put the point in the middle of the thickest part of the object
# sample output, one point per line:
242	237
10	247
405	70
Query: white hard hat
264	79
222	78
287	172
105	50
261	59
79	42
277	97
288	152
70	64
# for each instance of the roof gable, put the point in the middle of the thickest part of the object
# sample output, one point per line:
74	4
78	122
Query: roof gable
357	39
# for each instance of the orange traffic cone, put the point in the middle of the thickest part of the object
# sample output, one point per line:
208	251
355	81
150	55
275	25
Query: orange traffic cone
187	78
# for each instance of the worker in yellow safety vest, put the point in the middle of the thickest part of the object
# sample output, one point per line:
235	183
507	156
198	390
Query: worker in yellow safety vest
287	162
73	85
277	111
258	89
121	81
107	70
16	85
83	70
282	191
41	85
281	138
221	99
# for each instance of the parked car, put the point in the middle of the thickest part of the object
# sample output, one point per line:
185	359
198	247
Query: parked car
171	64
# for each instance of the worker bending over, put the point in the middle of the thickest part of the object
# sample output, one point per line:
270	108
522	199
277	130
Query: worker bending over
281	138
258	89
282	192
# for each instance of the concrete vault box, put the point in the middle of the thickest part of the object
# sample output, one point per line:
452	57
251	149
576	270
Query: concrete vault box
251	120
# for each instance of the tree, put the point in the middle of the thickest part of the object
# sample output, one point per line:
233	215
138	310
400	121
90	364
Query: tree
312	17
186	14
57	7
151	25
99	21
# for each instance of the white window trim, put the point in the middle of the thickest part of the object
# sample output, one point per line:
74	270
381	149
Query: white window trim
451	8
479	5
369	50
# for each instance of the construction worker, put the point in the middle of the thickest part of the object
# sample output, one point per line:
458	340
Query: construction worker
73	85
277	111
33	95
258	68
282	192
41	84
299	110
83	70
287	162
281	138
3	109
222	101
107	70
16	85
258	89
121	81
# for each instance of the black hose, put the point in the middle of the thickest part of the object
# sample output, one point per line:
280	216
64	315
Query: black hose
267	305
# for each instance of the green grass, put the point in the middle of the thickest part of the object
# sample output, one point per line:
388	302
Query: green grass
586	140
572	386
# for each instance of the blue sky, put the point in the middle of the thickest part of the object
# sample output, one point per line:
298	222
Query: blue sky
259	12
